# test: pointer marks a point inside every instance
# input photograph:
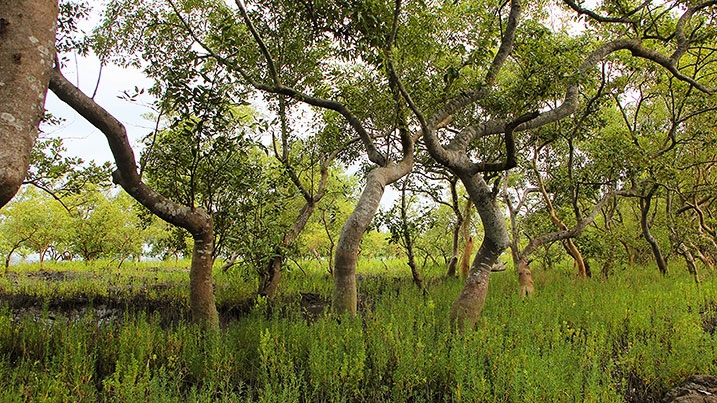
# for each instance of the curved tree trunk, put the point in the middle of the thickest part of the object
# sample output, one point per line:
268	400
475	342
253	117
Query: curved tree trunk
645	206
468	306
345	293
525	276
271	274
683	250
27	52
197	221
569	245
577	256
701	256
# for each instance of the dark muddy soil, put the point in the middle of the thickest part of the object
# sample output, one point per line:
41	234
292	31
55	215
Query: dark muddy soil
135	298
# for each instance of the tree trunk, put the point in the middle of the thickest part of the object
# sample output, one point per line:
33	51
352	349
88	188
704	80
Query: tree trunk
466	257
271	275
701	256
345	293
27	52
628	253
689	260
525	278
408	240
332	244
453	263
574	252
468	306
609	261
465	262
645	206
201	290
195	220
569	245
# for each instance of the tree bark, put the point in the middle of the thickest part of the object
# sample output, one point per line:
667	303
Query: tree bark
27	52
465	262
201	290
568	243
466	257
332	244
689	260
701	256
271	275
345	294
195	220
525	278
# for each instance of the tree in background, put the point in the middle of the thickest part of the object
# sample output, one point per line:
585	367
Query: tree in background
34	224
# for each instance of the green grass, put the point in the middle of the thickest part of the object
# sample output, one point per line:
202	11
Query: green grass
630	337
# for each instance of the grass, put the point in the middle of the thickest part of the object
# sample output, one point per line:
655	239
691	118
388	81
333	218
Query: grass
628	338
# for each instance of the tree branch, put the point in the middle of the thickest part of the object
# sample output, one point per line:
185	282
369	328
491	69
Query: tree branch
511	160
194	220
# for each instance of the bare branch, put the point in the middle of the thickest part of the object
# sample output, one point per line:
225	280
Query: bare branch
533	244
510	160
597	17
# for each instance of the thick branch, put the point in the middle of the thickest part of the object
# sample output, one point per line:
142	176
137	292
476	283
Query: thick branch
373	154
260	42
506	46
193	220
569	233
597	17
511	160
682	42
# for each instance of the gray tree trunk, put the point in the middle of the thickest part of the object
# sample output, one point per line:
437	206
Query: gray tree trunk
27	52
345	297
272	272
468	306
645	206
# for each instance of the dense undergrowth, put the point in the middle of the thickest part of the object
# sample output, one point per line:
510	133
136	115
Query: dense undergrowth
628	338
